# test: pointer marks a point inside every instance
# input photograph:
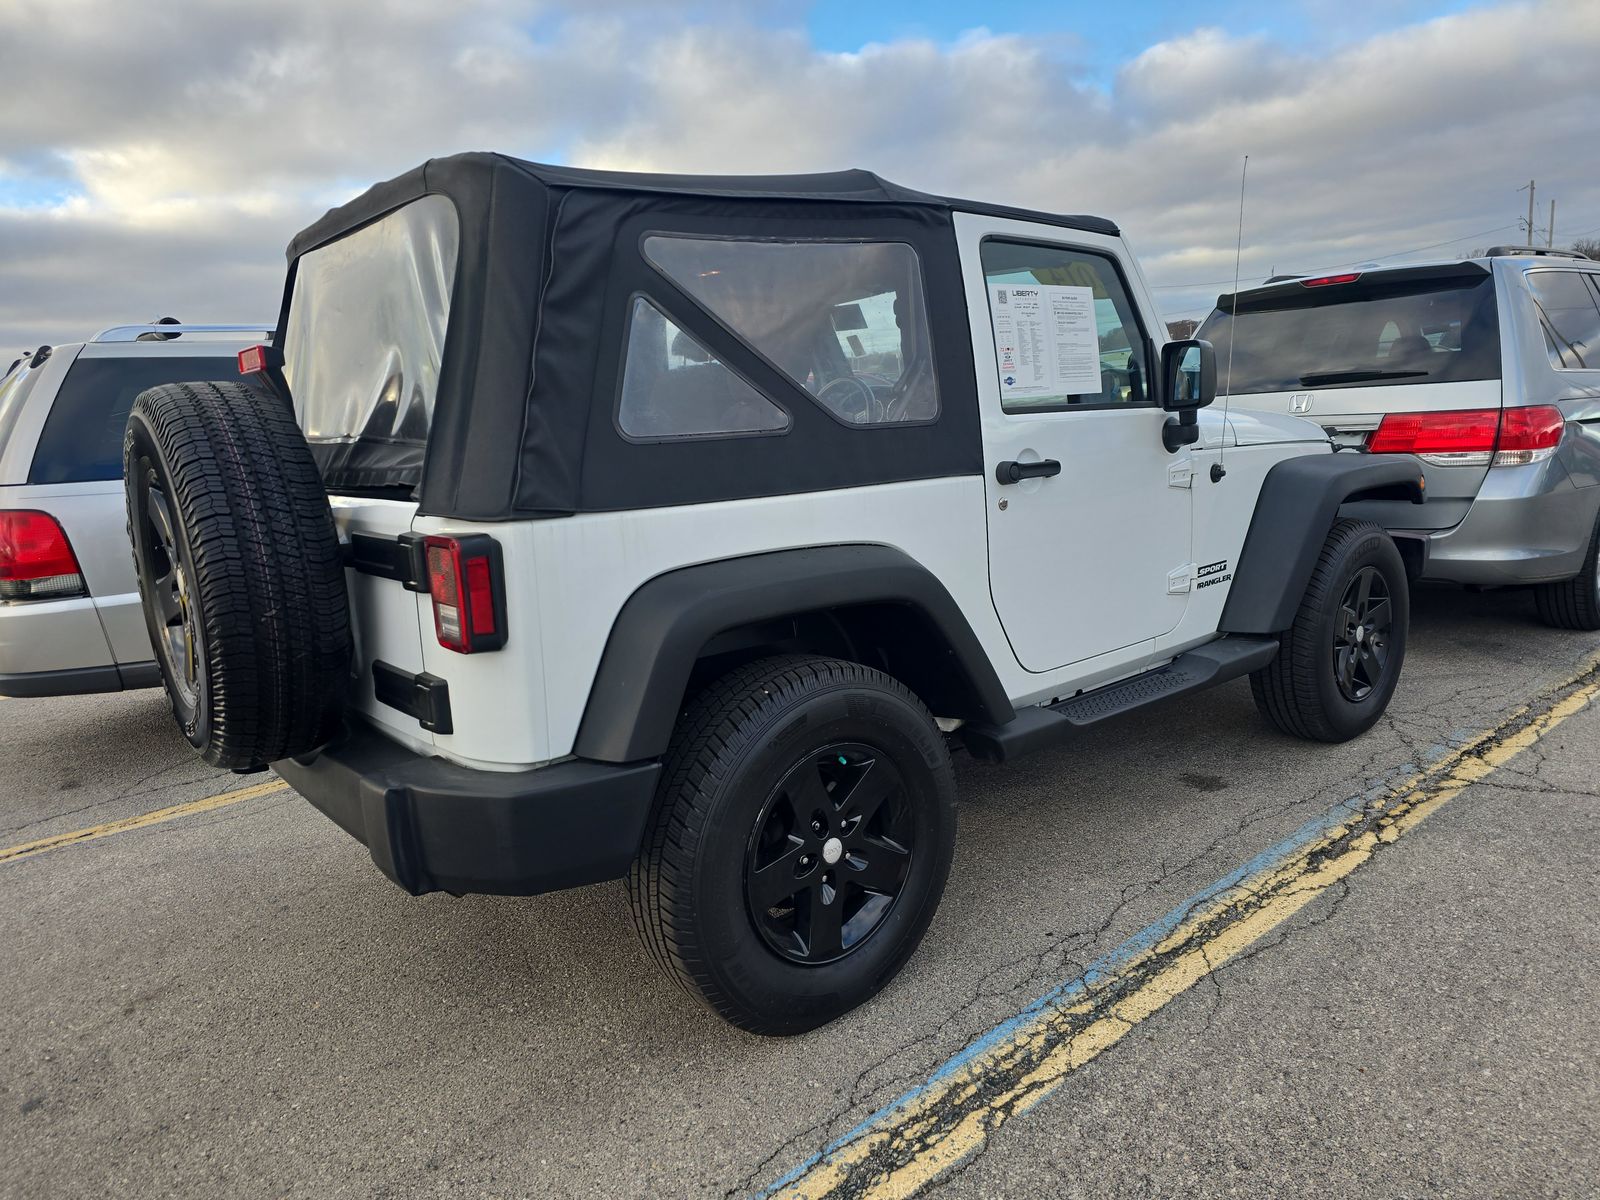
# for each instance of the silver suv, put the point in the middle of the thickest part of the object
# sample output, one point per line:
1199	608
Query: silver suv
1487	369
69	604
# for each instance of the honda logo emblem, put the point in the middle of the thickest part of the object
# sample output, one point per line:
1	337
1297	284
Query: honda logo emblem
1300	402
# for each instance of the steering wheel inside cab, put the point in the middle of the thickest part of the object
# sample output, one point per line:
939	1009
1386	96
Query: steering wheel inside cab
853	399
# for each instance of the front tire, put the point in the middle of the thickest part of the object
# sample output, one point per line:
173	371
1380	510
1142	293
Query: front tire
1339	663
802	835
1574	603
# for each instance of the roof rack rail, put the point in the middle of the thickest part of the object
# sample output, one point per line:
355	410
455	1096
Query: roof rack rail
1534	251
132	333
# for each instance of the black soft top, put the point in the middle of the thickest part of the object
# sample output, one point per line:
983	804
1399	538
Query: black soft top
473	176
549	261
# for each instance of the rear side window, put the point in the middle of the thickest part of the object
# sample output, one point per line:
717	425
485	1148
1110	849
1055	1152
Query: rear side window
673	387
82	437
1570	317
1370	333
847	321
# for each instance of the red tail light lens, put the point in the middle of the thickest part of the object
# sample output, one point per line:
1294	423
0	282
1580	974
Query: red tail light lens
468	590
1474	438
1529	434
36	560
1458	439
1329	280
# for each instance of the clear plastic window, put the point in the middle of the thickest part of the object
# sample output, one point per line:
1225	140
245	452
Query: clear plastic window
366	330
673	387
847	321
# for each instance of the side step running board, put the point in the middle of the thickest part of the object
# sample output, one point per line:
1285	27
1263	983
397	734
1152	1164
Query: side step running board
1035	728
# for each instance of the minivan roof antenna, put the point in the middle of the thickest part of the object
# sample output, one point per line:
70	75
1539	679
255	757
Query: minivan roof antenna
1219	470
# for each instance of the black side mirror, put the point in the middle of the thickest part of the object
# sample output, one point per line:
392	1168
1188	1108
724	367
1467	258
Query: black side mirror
1188	383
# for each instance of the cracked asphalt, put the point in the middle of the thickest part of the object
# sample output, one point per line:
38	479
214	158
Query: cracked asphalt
237	1003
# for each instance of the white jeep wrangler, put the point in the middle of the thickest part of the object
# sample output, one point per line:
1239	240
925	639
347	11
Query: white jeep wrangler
582	525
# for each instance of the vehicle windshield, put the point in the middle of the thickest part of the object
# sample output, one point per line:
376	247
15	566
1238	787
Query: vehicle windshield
1362	334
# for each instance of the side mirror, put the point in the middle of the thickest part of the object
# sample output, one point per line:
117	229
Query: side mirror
1189	375
1188	384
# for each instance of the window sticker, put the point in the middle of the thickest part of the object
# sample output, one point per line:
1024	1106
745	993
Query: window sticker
1045	340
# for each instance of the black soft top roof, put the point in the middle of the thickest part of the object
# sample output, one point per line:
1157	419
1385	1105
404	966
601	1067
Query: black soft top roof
549	266
475	171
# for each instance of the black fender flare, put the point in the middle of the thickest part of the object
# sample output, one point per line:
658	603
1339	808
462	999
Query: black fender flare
1298	504
661	630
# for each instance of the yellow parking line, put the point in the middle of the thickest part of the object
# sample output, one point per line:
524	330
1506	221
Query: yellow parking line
208	804
900	1150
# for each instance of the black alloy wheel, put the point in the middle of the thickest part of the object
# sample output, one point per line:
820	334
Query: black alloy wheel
178	638
1361	635
803	830
829	854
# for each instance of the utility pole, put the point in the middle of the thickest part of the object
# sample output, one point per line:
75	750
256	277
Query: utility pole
1529	189
1550	232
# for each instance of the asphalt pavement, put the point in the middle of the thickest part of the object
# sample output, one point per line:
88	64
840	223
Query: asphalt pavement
234	1002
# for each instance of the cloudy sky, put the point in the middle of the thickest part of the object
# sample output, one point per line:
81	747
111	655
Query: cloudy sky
156	158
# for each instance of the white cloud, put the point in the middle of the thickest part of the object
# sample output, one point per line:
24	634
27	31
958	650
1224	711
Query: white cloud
157	158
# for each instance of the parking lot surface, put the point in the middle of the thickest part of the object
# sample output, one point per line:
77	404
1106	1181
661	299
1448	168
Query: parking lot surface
232	1001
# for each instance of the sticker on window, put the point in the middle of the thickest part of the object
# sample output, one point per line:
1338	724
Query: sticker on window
1045	339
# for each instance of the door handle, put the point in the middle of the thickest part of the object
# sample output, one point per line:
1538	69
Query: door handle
1015	472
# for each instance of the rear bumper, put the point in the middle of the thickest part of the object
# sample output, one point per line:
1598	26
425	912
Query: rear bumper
80	681
432	825
1527	525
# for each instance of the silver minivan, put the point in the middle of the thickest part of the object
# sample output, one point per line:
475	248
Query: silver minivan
1487	369
70	620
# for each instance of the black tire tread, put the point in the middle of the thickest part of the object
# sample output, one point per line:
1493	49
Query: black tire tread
1573	603
716	726
268	566
1285	690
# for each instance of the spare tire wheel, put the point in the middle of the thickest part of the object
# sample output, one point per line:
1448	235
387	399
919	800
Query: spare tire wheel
241	575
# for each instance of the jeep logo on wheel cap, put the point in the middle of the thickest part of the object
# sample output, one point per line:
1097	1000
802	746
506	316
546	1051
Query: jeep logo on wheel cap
1301	402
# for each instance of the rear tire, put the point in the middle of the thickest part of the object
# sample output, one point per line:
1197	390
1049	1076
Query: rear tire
1330	683
1574	603
834	777
241	576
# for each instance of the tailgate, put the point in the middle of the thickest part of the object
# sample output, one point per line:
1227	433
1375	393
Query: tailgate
385	617
1348	350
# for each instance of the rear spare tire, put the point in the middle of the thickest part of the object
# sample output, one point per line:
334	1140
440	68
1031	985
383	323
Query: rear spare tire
240	572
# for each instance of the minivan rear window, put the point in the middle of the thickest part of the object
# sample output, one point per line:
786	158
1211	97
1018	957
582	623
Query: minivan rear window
1371	333
82	437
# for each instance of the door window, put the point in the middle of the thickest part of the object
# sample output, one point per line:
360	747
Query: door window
1570	317
1066	334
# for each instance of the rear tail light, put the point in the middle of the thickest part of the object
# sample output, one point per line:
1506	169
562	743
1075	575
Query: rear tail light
36	560
1529	434
1445	439
467	584
1330	280
1473	438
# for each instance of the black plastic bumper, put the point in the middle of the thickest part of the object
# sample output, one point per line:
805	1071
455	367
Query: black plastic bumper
432	825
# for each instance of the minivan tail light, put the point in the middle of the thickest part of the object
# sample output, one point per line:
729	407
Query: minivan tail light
1511	437
36	560
467	584
1529	435
1444	439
